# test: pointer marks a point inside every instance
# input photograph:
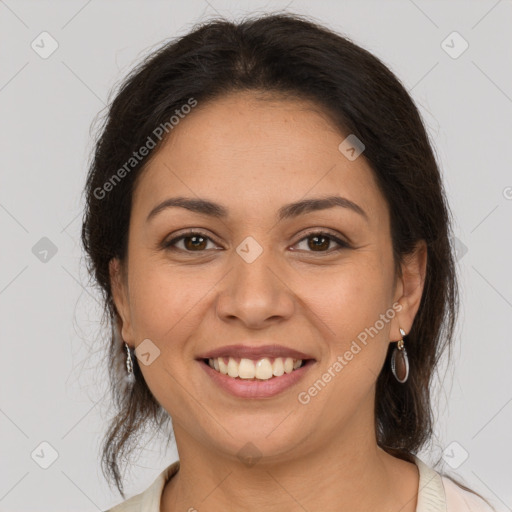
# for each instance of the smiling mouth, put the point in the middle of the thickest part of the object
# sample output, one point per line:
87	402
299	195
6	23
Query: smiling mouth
265	368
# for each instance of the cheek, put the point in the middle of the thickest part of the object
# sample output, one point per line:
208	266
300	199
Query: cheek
166	309
163	300
350	298
355	306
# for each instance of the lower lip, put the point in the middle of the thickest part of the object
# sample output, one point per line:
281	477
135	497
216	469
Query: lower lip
244	388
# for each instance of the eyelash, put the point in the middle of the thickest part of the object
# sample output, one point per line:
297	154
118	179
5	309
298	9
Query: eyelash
342	244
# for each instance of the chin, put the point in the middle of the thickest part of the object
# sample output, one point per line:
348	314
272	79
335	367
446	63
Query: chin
269	439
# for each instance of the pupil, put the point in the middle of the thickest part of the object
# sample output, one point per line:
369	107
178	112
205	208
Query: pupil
316	239
194	239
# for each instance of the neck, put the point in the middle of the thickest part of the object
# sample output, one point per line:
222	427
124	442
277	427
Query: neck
354	475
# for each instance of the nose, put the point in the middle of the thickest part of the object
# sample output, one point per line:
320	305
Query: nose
255	294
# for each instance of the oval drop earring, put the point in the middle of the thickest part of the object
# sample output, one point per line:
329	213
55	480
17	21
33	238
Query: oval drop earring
400	361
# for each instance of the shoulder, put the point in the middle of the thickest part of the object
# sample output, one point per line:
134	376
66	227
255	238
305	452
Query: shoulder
460	500
133	504
148	500
438	492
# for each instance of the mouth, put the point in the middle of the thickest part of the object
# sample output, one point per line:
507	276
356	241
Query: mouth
261	369
255	372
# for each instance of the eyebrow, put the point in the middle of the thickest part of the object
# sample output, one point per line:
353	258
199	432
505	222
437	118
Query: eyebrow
206	207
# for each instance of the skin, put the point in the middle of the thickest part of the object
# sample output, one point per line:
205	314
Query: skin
253	154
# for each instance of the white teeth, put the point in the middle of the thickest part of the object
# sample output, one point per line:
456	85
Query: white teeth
288	365
246	369
232	368
262	369
223	367
278	366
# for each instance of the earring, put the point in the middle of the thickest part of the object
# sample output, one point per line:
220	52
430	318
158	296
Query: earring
400	361
129	363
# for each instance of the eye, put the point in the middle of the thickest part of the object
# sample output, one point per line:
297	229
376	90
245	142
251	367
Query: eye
196	241
321	240
193	241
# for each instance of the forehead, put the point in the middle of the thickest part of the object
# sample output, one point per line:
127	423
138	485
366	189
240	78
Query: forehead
246	149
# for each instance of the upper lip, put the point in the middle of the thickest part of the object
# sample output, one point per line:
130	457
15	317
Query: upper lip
254	352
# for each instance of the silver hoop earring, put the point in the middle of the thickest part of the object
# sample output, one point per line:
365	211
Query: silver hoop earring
400	361
129	363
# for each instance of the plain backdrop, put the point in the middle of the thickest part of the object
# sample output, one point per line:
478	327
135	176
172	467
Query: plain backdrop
52	407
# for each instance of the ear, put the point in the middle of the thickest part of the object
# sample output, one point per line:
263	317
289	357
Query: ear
409	289
120	296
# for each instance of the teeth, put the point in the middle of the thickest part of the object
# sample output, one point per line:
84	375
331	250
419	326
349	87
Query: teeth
223	367
278	367
246	369
262	369
232	368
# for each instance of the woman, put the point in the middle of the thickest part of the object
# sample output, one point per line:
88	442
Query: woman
266	219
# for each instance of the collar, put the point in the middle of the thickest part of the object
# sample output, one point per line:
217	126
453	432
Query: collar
431	495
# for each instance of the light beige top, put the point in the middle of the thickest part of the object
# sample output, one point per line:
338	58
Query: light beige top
436	493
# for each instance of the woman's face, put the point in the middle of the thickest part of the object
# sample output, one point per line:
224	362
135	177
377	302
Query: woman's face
261	275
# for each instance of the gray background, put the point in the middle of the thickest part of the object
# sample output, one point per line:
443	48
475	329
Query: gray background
51	380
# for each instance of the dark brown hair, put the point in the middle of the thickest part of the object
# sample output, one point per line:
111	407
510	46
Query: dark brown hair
282	54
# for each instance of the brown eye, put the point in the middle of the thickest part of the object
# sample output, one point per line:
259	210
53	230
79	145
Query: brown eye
192	242
198	242
320	242
195	242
